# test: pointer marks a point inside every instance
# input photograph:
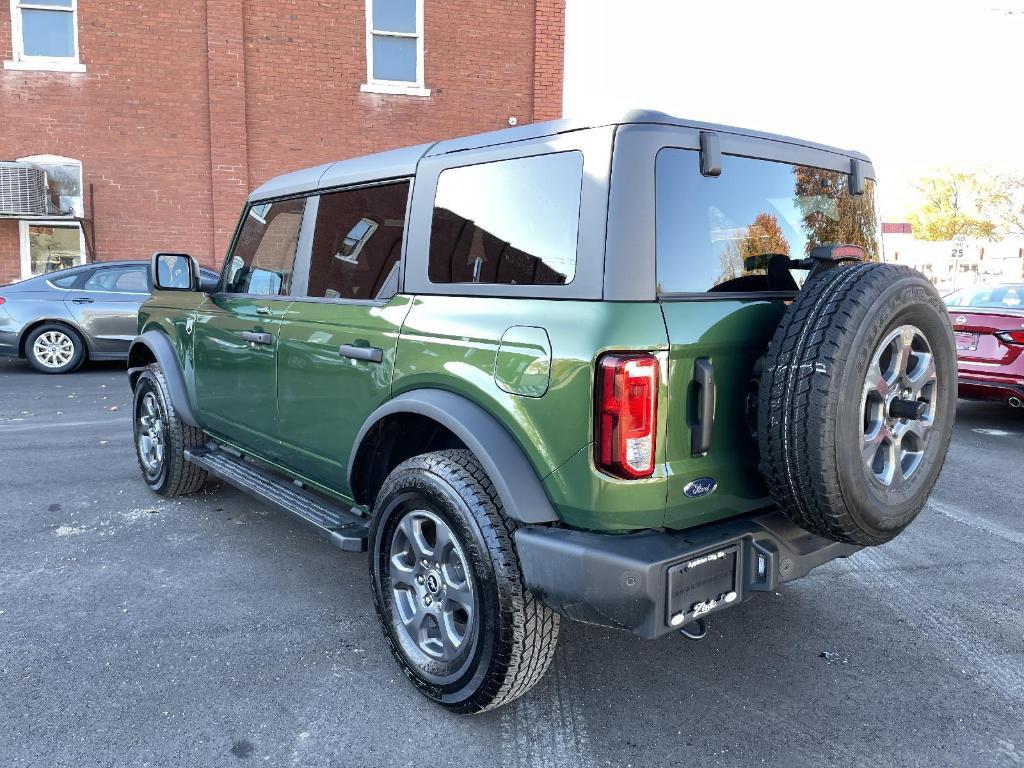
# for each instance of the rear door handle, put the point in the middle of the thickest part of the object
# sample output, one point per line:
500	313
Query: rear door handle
83	300
370	354
704	377
257	338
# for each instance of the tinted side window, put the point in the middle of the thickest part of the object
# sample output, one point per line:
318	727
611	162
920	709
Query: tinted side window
714	233
511	221
265	251
357	241
118	280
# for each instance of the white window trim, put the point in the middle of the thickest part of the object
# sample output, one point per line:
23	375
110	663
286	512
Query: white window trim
402	87
41	63
26	248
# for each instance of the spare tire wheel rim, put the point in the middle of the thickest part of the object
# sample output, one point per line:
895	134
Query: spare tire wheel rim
432	586
898	406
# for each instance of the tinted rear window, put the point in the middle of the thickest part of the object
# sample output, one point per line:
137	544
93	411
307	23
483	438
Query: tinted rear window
708	227
514	222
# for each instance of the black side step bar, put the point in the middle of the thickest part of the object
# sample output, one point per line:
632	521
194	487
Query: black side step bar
345	529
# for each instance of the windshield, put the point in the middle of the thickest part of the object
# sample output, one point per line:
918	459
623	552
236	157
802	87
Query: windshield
988	297
709	228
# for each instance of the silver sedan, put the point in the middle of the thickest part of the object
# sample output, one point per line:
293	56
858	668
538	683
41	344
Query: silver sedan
59	319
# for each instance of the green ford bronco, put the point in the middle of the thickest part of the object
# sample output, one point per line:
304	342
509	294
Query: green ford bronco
627	373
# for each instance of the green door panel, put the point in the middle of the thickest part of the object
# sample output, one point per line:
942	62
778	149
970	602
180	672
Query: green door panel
523	363
452	343
733	335
236	379
323	397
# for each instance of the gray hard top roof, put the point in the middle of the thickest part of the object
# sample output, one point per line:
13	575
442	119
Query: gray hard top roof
397	163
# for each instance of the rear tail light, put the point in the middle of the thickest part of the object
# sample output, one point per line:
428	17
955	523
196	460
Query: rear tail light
1011	337
627	414
2	301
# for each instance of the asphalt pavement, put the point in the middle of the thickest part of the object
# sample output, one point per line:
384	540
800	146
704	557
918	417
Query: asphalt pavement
214	631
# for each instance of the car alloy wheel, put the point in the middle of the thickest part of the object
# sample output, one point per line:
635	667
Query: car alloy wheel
432	586
150	434
899	406
53	349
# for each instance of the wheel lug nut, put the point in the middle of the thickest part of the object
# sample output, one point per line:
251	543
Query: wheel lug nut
427	600
419	579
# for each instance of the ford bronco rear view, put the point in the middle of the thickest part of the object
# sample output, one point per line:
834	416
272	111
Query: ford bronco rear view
628	373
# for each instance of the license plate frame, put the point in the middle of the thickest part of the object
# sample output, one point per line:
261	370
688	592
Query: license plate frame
703	584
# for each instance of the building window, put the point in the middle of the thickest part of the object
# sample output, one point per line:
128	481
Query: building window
47	246
394	47
44	35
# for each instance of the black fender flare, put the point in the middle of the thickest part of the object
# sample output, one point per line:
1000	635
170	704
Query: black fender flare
161	348
514	478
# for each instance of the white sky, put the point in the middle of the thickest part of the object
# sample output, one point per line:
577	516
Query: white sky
915	85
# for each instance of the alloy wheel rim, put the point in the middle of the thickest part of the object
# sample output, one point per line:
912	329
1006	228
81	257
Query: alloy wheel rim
53	349
900	378
150	439
432	586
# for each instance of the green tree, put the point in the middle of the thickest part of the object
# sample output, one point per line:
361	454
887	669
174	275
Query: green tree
955	203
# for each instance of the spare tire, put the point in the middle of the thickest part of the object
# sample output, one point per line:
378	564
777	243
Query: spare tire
857	401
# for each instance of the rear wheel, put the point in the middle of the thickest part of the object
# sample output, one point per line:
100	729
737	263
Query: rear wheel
448	589
54	348
857	402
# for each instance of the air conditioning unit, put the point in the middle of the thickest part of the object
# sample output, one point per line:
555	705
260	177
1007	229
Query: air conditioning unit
22	190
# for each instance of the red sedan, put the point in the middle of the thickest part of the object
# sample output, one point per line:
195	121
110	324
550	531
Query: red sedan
988	323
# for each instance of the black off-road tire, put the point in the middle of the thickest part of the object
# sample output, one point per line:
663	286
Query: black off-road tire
811	414
516	635
176	475
78	349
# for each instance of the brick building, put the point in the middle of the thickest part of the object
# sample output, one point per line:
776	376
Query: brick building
154	120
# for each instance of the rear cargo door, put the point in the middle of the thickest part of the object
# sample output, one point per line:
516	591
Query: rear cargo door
722	297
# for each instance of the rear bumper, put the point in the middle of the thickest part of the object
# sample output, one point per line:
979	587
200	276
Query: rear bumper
987	387
622	581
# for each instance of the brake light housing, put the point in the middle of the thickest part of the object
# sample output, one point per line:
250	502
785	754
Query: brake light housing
626	418
1011	337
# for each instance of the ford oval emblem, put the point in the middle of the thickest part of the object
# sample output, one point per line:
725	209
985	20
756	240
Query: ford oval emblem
702	486
961	320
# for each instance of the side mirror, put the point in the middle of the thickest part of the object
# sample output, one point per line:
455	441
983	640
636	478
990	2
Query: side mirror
174	272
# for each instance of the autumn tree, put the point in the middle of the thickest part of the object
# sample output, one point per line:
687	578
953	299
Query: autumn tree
954	204
1004	203
763	236
830	214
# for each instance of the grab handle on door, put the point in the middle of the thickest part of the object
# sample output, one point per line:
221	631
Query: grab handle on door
704	377
257	338
83	300
370	354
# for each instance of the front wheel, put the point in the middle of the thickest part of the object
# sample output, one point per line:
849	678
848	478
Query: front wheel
448	589
161	438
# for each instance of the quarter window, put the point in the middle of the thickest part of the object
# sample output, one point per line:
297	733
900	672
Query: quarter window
45	34
514	222
357	243
394	45
718	233
264	253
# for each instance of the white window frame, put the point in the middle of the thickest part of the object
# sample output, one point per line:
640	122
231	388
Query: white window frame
26	252
42	63
403	87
